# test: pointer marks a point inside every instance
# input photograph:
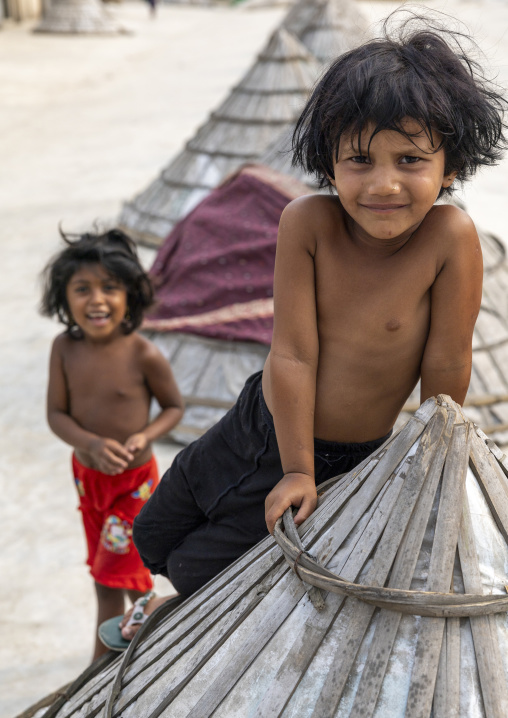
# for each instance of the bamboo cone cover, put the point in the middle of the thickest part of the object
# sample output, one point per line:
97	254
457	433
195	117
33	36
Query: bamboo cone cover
327	28
269	97
78	17
406	617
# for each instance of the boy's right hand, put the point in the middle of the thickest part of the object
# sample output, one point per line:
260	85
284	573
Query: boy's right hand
109	456
293	489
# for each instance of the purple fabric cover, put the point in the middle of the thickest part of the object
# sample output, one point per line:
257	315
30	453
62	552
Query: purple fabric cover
213	275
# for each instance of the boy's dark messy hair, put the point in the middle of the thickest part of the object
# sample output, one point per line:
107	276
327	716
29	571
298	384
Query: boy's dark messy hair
420	71
116	253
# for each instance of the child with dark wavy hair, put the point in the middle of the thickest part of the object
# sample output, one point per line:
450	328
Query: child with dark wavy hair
375	288
103	375
419	83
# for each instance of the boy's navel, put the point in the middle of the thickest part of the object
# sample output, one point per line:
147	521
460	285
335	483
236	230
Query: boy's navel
392	325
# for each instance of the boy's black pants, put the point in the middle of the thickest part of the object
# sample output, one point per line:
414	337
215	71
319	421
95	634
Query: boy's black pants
209	506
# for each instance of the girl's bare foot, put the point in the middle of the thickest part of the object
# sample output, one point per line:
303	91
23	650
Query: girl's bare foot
129	631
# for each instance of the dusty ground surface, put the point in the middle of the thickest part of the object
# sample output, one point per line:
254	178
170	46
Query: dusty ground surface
85	123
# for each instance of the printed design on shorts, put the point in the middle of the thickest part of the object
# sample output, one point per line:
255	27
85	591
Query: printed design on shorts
144	491
79	486
116	535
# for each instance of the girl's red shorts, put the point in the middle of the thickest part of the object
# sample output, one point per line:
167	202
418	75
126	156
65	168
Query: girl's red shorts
109	505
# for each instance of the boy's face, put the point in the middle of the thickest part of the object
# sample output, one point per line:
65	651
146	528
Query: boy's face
388	191
97	302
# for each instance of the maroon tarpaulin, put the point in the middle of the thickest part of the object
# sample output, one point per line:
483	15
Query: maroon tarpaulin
213	275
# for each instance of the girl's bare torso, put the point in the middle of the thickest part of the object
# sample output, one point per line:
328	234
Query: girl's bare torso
107	392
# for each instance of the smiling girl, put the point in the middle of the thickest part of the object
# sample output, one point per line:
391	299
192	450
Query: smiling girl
103	375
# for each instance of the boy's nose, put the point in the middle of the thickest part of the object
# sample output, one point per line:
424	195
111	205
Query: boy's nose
384	184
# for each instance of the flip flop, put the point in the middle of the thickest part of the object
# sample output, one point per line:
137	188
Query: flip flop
110	632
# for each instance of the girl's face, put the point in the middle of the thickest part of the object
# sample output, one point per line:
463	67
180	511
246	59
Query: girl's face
388	191
97	302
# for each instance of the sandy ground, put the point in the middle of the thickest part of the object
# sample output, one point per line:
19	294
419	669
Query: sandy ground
85	123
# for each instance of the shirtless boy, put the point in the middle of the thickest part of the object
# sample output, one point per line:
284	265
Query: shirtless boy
102	378
375	288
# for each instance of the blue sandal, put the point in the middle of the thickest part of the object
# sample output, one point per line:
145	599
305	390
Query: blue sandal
110	632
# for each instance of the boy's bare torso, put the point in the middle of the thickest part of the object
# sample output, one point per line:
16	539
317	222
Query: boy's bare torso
107	392
373	306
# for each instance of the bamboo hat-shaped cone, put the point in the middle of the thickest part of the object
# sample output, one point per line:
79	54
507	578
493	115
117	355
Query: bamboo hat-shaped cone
327	28
300	15
279	157
255	4
390	602
78	17
268	98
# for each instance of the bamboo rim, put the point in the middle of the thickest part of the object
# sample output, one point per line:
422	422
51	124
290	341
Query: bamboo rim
416	603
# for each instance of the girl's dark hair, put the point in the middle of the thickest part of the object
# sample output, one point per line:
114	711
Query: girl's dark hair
419	71
114	251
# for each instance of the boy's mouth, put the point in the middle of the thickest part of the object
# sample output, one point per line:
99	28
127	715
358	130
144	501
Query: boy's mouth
383	208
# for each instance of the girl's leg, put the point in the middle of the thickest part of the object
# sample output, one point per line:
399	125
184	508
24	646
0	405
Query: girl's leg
110	603
134	595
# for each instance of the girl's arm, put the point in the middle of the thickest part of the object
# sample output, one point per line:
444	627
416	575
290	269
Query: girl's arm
163	387
109	456
455	302
293	364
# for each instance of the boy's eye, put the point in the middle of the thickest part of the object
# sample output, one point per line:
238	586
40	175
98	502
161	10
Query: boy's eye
359	159
409	160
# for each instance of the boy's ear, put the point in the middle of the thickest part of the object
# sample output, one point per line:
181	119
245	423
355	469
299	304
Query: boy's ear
331	180
448	180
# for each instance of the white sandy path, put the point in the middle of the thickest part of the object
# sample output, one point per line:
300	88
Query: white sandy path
86	122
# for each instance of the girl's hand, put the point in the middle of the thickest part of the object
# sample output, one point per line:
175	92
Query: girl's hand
136	443
293	490
109	456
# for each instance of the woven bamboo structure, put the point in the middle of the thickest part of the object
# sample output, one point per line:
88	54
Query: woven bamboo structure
327	28
389	601
279	155
78	17
210	374
268	98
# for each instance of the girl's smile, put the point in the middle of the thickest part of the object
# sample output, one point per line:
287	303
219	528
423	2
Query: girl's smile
388	182
97	302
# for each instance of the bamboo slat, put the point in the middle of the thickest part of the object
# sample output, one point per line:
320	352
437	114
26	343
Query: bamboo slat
493	485
307	643
354	618
486	645
447	691
430	636
401	576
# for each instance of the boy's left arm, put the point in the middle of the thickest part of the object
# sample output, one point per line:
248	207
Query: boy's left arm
163	387
455	302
